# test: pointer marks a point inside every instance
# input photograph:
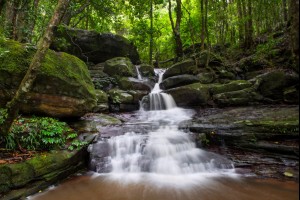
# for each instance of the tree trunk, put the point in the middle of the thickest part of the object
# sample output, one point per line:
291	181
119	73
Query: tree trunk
176	27
249	26
240	22
284	10
294	31
30	76
151	33
202	24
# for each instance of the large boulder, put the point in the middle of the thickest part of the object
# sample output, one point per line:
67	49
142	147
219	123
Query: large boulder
91	46
274	83
190	95
129	83
180	80
63	87
185	67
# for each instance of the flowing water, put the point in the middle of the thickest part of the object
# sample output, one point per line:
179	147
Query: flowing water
155	160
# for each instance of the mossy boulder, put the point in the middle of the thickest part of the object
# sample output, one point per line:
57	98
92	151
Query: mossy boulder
291	95
146	70
185	67
180	80
120	96
63	86
238	98
119	67
91	46
22	179
272	84
196	94
231	86
252	63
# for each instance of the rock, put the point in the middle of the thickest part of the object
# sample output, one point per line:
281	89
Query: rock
214	60
250	127
146	70
291	95
238	98
129	83
63	87
91	46
23	179
206	77
138	95
272	84
185	67
102	101
229	87
120	96
198	94
251	63
119	66
179	80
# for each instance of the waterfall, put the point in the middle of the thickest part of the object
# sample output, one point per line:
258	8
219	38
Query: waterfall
163	149
139	76
157	99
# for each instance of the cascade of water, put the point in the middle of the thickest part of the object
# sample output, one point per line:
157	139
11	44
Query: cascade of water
164	150
137	68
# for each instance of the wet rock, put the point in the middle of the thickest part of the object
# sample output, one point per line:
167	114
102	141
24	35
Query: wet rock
198	94
180	80
129	83
102	101
229	87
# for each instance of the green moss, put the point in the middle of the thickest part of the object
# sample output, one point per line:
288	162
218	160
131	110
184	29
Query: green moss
101	96
22	173
120	96
16	57
231	86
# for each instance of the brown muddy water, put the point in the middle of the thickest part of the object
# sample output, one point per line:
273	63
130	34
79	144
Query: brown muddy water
105	187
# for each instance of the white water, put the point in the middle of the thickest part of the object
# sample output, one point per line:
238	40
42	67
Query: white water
138	72
165	154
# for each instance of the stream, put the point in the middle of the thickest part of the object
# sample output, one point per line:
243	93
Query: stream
151	158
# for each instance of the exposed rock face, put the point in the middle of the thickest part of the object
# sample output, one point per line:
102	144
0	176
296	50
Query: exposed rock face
92	46
63	87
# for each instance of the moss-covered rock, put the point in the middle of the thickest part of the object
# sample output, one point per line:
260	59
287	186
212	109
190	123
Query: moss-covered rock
180	80
146	70
120	96
238	98
63	87
42	170
185	67
102	101
119	66
206	77
231	86
291	95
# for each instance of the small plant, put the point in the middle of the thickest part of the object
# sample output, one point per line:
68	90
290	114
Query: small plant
38	133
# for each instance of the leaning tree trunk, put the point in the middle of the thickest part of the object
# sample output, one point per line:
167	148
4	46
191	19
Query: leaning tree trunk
294	31
30	76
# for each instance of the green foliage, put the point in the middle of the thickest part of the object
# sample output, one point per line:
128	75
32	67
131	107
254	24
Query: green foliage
3	115
40	133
